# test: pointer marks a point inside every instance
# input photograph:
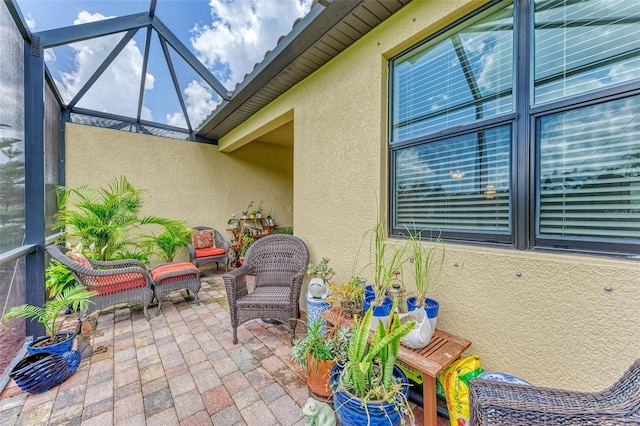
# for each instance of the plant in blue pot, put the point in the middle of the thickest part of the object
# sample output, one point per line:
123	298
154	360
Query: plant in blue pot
386	260
427	261
77	297
368	389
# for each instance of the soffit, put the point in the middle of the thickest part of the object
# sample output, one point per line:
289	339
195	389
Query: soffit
317	40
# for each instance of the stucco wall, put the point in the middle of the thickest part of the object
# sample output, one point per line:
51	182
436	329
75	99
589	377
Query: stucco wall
184	180
554	325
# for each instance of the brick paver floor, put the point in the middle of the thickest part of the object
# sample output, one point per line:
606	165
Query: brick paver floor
178	368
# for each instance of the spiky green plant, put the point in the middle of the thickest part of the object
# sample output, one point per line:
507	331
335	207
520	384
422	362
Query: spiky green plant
172	238
369	372
105	218
386	260
77	297
58	278
427	264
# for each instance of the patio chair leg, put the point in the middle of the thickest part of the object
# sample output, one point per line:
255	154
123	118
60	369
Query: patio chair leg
235	335
146	315
159	306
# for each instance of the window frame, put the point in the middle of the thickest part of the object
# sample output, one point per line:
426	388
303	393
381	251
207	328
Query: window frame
524	187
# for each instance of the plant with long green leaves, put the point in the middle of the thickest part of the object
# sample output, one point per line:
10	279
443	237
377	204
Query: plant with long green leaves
105	218
427	264
323	346
386	260
77	297
172	238
58	278
368	373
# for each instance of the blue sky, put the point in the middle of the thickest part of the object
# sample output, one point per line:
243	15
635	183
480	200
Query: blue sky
228	36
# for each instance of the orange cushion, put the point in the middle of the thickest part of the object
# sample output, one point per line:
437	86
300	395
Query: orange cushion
203	239
116	283
188	268
208	252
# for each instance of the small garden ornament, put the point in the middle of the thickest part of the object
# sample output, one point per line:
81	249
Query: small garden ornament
319	413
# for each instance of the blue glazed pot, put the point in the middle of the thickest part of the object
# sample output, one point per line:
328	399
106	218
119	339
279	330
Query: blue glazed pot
431	306
351	411
368	291
58	348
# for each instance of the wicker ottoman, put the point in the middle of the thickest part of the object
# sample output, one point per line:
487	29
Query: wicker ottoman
170	277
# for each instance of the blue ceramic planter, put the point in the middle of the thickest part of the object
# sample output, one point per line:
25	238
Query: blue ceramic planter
58	348
351	411
431	306
42	371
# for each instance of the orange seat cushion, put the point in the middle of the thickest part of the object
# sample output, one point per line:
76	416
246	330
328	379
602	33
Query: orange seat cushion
208	252
188	268
116	283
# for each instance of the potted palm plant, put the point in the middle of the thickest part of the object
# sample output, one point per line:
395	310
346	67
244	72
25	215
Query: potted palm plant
173	237
318	352
368	389
78	297
427	263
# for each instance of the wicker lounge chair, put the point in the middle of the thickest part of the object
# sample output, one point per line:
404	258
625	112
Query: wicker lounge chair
118	281
202	255
278	264
501	403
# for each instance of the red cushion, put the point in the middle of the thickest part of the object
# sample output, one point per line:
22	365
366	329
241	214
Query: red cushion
203	239
208	252
116	283
189	271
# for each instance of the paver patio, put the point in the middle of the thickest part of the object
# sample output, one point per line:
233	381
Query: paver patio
178	368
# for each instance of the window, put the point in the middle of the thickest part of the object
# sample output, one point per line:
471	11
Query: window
537	148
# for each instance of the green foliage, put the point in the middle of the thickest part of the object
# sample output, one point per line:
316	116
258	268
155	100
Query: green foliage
105	218
321	270
427	264
77	297
322	346
385	259
369	372
58	278
172	238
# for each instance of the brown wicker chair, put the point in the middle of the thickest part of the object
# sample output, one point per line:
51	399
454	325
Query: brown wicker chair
501	403
278	264
118	281
198	259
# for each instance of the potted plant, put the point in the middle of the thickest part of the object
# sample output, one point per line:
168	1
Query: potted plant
321	274
234	222
77	297
258	212
368	388
173	237
427	263
349	295
318	352
386	260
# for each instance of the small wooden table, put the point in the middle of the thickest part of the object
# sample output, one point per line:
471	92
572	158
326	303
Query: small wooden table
443	349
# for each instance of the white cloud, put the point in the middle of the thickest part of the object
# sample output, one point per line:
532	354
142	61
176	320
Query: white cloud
199	101
116	91
241	32
31	23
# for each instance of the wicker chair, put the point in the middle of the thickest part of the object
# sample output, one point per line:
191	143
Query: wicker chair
197	258
278	263
501	403
118	281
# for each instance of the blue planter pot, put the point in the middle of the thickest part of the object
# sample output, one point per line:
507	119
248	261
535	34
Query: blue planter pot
351	411
314	308
368	291
431	306
58	348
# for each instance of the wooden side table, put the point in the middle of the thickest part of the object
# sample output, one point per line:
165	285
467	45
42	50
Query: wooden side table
443	349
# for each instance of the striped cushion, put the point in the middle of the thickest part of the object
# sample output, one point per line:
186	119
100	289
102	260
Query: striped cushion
187	267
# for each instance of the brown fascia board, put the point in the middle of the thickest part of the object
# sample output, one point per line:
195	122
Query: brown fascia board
313	26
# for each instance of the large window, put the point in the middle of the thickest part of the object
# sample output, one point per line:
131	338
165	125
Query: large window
520	125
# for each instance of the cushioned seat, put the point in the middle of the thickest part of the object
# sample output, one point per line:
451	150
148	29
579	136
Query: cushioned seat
169	277
208	246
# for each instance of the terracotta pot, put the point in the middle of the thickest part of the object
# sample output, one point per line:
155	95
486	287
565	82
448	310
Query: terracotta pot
318	374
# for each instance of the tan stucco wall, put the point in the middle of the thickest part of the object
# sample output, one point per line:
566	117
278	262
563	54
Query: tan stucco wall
554	325
184	180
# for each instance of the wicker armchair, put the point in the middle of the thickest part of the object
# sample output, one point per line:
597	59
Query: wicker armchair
501	403
118	281
200	257
278	263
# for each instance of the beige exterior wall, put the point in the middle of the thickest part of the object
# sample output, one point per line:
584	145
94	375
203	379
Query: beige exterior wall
184	180
544	317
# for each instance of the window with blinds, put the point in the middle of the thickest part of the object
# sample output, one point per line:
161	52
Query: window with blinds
473	143
590	172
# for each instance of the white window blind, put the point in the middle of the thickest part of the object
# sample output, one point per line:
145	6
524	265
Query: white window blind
462	78
590	172
581	46
458	184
